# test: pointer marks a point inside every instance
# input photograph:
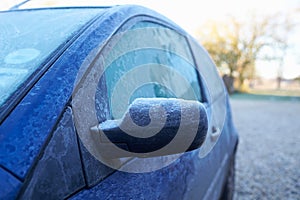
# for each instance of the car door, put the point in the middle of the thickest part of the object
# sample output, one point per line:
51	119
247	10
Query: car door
150	58
125	54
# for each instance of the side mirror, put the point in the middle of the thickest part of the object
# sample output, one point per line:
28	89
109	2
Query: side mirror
155	127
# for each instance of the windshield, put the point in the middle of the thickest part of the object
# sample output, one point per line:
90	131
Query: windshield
28	37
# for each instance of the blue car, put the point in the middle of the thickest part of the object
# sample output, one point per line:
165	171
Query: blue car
110	103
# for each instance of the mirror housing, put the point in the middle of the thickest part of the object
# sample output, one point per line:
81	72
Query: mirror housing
156	127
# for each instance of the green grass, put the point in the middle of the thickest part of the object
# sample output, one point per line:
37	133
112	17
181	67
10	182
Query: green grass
293	93
280	95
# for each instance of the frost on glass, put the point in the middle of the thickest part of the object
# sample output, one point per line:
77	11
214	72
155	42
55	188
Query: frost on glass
216	96
146	61
149	60
27	38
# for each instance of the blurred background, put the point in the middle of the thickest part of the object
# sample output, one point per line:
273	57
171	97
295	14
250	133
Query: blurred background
256	47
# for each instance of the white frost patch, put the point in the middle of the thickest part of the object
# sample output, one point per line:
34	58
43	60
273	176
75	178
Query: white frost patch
158	116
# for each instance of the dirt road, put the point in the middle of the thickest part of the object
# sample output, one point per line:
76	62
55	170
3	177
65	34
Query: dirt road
268	158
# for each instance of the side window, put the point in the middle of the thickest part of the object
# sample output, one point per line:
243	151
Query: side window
141	60
215	94
149	60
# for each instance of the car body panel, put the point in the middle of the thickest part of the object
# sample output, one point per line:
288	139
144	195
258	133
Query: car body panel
9	185
58	172
183	179
25	145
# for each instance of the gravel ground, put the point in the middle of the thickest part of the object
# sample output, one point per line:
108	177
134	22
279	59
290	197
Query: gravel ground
268	157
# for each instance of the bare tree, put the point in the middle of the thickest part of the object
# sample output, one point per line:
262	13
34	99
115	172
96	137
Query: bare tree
236	45
283	28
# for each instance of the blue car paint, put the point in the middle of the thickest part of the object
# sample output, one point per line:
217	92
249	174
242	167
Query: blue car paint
39	110
58	173
9	185
176	181
38	113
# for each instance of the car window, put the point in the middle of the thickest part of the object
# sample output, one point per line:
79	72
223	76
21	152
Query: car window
149	60
28	37
142	59
215	94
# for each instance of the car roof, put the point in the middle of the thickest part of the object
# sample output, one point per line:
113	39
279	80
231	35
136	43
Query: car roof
33	4
29	4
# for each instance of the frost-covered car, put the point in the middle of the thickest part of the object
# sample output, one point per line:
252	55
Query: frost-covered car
110	103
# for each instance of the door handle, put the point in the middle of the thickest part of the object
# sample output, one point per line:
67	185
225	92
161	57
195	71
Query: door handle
216	132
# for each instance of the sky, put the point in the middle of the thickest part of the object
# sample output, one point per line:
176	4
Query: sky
191	14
